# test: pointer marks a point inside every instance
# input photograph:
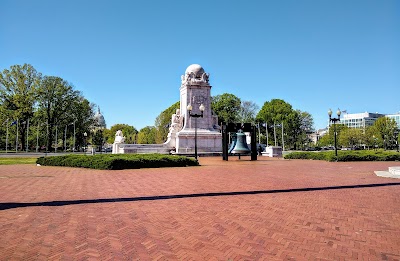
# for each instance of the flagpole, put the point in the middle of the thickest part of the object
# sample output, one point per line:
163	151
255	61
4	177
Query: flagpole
37	138
16	140
259	134
274	134
56	145
65	139
266	132
74	138
47	138
7	138
27	136
283	141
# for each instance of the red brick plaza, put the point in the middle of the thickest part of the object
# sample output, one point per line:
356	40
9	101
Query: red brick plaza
270	209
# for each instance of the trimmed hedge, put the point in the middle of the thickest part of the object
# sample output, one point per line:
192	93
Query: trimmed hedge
363	155
118	161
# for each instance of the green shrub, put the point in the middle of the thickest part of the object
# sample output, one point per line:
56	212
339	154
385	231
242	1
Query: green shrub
118	161
362	155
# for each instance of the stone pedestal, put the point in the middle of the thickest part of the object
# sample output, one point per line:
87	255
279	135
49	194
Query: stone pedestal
272	151
207	141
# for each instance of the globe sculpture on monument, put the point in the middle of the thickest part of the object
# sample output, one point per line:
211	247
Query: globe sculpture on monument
195	90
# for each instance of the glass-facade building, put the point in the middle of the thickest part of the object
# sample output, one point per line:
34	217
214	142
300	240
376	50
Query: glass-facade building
395	117
360	120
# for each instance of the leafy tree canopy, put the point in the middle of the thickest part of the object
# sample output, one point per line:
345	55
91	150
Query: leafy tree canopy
147	135
226	106
163	121
129	132
48	103
248	111
386	129
275	111
18	95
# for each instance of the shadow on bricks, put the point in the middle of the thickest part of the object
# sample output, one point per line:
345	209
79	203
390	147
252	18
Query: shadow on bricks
11	205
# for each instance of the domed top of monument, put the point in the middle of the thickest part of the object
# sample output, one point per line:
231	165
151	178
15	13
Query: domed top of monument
99	119
196	69
195	74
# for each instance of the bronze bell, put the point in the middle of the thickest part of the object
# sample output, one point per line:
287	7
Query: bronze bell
233	144
240	144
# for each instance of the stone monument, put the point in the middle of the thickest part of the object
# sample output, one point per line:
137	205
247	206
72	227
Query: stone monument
195	90
119	139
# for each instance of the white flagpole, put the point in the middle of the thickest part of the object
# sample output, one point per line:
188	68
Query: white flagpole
27	136
266	132
283	141
74	138
259	134
274	134
65	139
56	145
47	138
37	138
16	140
7	138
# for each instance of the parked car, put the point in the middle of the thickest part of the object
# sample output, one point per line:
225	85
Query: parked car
107	149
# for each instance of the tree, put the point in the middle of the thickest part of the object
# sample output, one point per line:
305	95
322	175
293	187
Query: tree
83	113
371	137
277	112
147	135
302	124
98	138
163	122
226	106
329	138
247	112
17	95
274	111
324	141
58	103
129	132
351	137
386	130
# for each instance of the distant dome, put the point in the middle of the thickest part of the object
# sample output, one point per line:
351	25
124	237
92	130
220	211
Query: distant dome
99	119
196	69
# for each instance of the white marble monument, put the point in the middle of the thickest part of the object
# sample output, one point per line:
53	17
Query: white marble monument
195	90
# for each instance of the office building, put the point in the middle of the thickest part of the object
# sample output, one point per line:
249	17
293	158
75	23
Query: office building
360	120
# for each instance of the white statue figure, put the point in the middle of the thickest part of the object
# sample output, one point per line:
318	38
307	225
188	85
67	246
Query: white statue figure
119	138
204	77
177	121
186	78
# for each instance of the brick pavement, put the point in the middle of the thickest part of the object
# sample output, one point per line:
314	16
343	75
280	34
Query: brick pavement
52	213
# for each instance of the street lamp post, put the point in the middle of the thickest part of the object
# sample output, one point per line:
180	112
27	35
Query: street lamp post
195	116
334	120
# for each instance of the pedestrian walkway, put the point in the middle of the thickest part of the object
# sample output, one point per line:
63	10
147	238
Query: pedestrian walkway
270	209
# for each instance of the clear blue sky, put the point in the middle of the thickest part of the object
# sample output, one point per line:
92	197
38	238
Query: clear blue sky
128	56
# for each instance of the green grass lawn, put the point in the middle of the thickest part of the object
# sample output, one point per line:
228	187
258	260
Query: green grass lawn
12	161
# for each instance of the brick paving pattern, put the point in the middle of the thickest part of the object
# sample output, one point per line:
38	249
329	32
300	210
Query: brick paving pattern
283	210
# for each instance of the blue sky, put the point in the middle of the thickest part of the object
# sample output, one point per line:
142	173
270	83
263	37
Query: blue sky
128	56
